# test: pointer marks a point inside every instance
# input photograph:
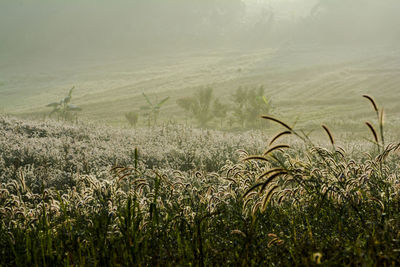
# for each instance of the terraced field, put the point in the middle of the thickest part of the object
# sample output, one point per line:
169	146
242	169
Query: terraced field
310	84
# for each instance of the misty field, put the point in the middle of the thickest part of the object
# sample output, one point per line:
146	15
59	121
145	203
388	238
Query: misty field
199	133
175	195
308	85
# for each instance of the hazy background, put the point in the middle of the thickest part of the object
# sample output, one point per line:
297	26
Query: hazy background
315	57
103	29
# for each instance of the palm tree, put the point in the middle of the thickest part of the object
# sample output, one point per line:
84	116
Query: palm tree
199	106
152	110
63	108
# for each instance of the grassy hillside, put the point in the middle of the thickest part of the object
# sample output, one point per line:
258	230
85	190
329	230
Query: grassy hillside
308	84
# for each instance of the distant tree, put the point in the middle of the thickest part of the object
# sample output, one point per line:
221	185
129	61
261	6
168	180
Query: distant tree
238	107
199	105
332	6
202	19
220	110
221	16
132	117
262	29
356	20
248	104
152	110
257	105
64	109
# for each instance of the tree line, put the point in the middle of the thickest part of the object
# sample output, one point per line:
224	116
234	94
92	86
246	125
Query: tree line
242	109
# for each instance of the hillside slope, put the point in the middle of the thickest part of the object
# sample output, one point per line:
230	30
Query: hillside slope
308	84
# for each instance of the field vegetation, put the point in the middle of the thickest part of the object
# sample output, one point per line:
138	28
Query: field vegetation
199	133
173	195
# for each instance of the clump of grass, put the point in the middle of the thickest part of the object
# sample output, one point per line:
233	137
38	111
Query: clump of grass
331	182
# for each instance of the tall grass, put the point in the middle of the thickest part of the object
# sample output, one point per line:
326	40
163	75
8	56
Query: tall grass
69	196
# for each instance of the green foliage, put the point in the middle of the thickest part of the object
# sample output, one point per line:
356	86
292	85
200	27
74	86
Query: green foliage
220	110
248	104
152	110
132	117
199	106
63	109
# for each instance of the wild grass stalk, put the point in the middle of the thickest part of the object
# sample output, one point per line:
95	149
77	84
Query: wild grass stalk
299	204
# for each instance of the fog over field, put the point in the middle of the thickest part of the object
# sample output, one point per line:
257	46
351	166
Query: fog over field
199	132
58	30
307	54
